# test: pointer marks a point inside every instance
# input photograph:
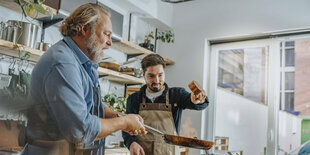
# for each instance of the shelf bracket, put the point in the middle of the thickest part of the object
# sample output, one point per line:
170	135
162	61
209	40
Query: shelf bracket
132	84
100	76
47	21
133	55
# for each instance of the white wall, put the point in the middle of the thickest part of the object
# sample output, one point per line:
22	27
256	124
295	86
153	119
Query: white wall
245	123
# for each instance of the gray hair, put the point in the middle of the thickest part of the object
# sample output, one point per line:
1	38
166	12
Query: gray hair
86	14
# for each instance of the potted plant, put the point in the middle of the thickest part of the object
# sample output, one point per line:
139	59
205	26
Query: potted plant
147	41
115	102
164	36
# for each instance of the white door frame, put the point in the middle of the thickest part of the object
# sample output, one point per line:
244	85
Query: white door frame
273	88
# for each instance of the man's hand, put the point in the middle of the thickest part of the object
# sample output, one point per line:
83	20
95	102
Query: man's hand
131	123
134	124
136	149
109	113
200	98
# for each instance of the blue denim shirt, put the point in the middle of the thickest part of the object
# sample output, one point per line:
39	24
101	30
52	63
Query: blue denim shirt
62	81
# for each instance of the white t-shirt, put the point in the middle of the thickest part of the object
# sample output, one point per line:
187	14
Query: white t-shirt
153	96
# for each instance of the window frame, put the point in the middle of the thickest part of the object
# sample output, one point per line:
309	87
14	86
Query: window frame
283	70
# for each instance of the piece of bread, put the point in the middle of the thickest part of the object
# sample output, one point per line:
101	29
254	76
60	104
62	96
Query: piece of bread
195	87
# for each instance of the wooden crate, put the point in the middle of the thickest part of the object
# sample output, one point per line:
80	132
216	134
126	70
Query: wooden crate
221	143
12	135
131	90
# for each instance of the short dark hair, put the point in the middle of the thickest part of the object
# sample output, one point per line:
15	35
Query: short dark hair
152	60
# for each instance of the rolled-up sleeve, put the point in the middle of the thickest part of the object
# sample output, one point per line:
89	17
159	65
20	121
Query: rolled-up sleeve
65	94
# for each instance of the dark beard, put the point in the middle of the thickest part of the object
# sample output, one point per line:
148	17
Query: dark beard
154	89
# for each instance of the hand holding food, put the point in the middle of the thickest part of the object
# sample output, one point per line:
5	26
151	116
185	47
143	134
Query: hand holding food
198	95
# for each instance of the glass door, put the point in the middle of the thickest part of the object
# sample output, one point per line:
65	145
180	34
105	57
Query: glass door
244	93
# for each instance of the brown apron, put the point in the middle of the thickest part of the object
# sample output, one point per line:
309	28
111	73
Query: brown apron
159	116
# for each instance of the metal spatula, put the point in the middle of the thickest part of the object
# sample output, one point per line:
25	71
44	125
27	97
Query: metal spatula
153	130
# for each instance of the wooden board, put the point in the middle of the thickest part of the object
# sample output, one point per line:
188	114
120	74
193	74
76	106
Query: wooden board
131	90
12	134
110	65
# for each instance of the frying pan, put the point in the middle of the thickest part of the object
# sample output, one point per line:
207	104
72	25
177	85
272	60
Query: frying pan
182	141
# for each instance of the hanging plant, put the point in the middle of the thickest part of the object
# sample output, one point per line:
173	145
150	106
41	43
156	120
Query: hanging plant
165	36
33	8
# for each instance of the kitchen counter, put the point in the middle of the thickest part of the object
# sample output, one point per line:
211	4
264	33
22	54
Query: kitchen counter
117	151
125	151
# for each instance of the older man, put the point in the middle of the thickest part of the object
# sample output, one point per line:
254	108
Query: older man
68	116
160	107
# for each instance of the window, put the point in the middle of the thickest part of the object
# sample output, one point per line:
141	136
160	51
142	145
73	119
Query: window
289	57
242	71
231	70
289	101
289	80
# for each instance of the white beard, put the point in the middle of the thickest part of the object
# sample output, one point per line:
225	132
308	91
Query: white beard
94	49
97	57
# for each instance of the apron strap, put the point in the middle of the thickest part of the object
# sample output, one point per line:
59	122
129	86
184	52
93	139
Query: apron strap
143	100
143	103
167	98
155	106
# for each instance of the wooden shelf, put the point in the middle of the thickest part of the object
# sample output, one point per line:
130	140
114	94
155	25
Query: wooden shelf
8	48
132	49
10	4
119	77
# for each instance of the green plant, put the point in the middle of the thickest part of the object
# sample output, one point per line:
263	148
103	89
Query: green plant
33	7
115	102
165	36
148	37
